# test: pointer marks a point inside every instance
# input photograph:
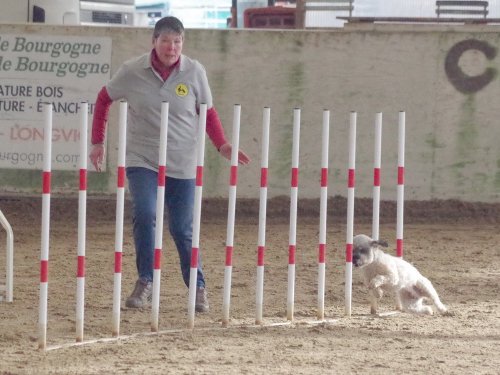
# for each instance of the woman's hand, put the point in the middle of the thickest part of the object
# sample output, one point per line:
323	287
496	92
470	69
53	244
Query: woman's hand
97	156
226	149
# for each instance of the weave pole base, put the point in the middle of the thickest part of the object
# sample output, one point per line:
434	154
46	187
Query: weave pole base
234	324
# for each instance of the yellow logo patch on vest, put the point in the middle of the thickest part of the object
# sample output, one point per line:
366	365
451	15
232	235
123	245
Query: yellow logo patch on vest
181	90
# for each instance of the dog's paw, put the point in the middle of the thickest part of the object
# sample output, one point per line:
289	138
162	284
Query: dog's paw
441	308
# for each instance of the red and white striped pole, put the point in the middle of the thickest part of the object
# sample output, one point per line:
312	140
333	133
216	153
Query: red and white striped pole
200	156
376	176
261	245
293	214
160	206
325	137
44	257
82	223
350	213
233	180
401	186
120	203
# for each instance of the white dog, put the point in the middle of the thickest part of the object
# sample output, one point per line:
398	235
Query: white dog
384	272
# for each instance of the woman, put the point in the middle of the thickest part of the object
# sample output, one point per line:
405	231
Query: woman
163	74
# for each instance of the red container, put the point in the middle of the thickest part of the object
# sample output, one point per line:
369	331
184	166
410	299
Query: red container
269	18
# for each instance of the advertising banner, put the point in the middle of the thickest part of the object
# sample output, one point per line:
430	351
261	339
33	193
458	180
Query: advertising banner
37	69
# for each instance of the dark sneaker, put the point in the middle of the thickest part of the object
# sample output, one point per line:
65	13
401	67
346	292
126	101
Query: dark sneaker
141	296
201	300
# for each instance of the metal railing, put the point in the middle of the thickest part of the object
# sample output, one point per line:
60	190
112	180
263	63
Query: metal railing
304	6
9	265
462	7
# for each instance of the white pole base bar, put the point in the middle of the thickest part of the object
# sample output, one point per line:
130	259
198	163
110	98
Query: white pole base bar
239	325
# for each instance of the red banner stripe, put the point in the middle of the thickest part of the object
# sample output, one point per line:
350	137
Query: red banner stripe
199	175
351	179
348	253
83	179
118	261
260	255
46	182
194	257
121	177
376	177
399	247
233	179
324	177
229	255
263	177
157	259
80	270
291	254
295	177
401	175
321	253
44	271
161	175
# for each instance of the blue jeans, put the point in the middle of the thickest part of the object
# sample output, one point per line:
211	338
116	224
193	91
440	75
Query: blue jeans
179	203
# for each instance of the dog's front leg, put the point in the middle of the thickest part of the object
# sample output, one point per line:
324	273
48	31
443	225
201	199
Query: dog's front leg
375	292
399	304
375	296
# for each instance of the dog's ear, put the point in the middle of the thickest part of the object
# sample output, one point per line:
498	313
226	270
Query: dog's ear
380	243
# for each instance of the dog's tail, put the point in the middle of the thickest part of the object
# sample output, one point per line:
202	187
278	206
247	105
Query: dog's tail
431	293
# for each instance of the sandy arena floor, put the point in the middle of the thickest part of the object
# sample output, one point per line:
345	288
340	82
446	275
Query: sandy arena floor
455	245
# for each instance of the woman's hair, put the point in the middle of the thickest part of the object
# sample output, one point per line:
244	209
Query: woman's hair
168	24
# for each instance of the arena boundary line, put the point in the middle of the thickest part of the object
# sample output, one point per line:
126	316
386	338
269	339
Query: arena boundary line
290	324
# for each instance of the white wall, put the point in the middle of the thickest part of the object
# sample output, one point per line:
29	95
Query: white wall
452	137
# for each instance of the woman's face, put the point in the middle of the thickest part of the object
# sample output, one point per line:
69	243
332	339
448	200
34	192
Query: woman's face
168	47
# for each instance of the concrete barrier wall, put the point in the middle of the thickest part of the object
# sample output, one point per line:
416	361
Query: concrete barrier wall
444	77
